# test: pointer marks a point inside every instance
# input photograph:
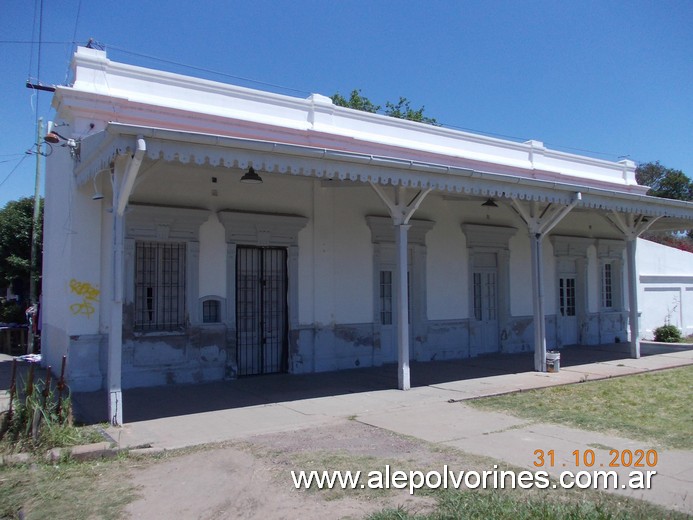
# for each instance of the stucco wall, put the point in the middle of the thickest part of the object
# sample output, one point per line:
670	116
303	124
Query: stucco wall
447	270
665	289
212	270
335	280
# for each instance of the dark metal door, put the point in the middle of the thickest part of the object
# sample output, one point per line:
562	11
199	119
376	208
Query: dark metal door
261	311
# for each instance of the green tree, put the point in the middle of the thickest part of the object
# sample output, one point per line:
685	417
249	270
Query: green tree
667	183
664	182
16	223
355	101
401	110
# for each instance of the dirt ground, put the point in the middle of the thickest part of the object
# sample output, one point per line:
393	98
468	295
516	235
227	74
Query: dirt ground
252	479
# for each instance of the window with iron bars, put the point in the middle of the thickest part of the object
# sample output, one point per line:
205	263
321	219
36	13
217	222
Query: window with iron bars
159	286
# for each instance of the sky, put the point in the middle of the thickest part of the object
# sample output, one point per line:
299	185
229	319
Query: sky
609	79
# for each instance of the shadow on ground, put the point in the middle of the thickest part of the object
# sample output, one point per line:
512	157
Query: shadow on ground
167	401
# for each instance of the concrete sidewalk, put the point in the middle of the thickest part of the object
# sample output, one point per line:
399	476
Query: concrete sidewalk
258	416
437	413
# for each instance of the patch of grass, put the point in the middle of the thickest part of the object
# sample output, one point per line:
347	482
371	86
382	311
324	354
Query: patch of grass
651	407
512	505
69	490
53	436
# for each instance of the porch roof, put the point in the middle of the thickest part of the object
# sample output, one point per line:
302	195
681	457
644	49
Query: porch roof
98	150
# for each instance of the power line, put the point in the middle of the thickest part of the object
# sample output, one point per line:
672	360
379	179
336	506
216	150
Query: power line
209	71
32	42
13	169
74	38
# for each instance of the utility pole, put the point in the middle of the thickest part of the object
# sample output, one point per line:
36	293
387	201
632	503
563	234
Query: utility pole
33	271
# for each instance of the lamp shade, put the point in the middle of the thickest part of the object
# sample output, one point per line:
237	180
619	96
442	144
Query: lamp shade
251	177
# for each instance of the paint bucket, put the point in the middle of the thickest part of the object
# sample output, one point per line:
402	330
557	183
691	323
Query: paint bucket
553	361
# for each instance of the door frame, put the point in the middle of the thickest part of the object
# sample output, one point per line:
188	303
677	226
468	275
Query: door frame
568	322
484	326
260	229
484	239
262	303
570	257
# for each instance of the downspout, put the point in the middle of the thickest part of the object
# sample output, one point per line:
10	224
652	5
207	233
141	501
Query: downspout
121	196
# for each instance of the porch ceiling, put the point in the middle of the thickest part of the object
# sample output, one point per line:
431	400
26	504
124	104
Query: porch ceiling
98	151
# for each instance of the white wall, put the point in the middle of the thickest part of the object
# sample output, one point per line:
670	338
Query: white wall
336	257
56	255
665	287
212	258
447	265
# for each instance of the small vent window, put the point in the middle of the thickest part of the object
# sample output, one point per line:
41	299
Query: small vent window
211	311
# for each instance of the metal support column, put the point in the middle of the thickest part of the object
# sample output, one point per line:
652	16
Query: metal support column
123	182
632	226
634	324
403	379
538	303
539	224
401	212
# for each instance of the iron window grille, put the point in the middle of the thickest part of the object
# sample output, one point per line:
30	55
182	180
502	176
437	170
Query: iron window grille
211	311
159	286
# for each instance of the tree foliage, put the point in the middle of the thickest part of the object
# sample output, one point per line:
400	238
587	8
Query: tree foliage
664	182
667	183
401	110
355	101
16	224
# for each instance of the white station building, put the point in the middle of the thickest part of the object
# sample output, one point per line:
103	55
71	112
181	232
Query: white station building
198	231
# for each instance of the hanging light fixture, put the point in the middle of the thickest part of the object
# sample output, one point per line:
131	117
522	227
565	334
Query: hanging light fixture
52	136
97	192
490	203
251	177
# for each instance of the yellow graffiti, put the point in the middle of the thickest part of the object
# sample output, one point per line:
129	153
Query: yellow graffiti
89	294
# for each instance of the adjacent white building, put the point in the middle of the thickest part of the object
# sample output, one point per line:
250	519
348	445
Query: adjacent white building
370	240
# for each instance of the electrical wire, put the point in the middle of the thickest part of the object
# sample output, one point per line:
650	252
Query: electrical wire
201	69
38	64
33	40
13	169
74	38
